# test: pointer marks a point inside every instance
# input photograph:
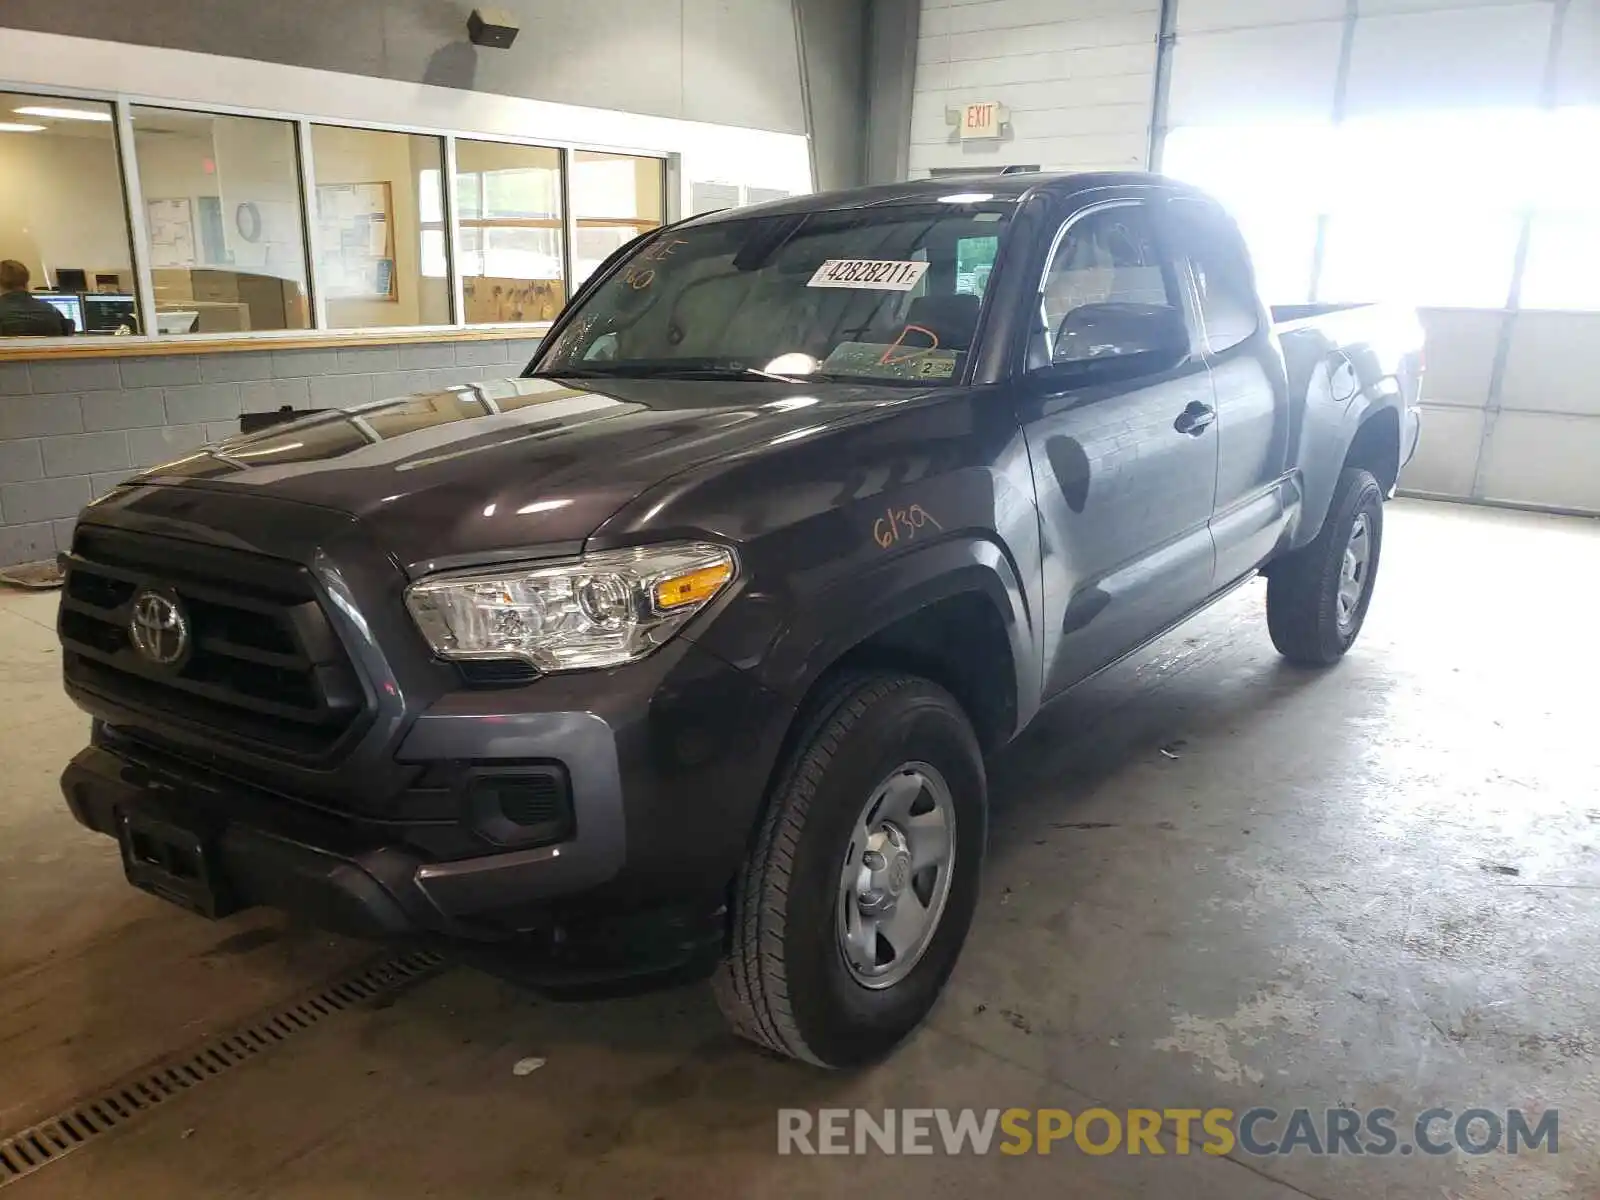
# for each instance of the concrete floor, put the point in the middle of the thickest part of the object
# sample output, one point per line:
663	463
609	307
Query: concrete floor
1376	886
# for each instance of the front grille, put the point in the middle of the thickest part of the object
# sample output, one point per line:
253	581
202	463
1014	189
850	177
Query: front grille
264	667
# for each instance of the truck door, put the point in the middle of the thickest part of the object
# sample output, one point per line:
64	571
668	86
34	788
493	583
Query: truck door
1256	493
1116	406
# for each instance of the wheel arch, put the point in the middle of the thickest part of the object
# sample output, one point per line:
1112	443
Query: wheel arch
1367	435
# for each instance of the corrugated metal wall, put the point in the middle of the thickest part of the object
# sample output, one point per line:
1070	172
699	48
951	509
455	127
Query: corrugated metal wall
1511	294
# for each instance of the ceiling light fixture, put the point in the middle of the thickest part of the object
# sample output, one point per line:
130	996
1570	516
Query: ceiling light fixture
17	127
63	114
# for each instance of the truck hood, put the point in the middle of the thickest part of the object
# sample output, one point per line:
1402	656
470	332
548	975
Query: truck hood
491	470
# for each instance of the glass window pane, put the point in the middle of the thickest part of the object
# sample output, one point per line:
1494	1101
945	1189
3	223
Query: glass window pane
1283	246
683	302
435	263
512	230
1440	259
63	225
374	190
1108	257
222	200
974	260
1563	269
615	197
1222	277
596	243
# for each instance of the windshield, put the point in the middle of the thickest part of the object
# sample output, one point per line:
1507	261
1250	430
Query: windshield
889	294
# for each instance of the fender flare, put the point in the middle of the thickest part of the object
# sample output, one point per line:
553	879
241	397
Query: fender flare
1327	446
814	639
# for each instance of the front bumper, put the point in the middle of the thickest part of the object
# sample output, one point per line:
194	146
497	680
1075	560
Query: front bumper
667	762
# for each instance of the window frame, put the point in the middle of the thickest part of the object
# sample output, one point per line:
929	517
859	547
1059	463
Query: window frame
150	341
1178	286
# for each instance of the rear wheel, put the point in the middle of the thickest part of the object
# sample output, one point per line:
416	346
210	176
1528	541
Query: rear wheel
1317	596
855	900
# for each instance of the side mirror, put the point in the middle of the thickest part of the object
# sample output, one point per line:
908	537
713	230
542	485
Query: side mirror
1126	338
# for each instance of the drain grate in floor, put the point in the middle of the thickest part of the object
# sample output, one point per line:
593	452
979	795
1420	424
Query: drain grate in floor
42	1144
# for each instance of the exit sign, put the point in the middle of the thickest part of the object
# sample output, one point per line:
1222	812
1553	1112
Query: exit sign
980	120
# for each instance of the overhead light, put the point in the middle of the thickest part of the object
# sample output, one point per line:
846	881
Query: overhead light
17	127
966	198
63	114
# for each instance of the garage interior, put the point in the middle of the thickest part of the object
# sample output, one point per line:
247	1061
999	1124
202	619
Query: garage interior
1214	880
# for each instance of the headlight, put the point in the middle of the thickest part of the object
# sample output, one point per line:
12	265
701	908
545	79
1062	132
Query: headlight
600	610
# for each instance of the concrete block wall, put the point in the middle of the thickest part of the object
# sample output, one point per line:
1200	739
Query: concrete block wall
72	429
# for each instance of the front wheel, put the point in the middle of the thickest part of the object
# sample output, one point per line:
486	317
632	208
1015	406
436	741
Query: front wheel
851	909
1317	596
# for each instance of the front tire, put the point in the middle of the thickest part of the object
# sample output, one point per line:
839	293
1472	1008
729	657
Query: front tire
1317	596
853	904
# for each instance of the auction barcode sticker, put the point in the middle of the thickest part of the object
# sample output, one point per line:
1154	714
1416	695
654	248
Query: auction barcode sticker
879	274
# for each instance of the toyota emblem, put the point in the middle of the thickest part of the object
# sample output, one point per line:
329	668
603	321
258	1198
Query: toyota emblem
159	628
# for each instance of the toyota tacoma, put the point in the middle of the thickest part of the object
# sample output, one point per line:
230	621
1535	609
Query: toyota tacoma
683	650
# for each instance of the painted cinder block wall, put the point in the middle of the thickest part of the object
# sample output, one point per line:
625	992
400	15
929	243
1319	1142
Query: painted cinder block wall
72	429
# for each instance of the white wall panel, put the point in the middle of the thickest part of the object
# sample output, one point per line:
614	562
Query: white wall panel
1454	58
1447	455
1374	8
1007	14
1220	78
1078	78
1131	30
1554	365
1548	461
1061	67
1200	15
1461	350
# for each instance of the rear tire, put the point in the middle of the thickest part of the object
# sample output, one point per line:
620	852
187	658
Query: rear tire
1317	596
807	974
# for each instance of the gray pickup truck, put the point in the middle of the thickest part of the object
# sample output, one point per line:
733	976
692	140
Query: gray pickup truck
684	650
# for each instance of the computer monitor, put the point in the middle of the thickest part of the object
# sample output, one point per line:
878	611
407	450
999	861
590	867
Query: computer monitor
72	279
109	313
70	307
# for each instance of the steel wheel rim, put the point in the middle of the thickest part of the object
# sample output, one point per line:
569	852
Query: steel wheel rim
1355	571
896	875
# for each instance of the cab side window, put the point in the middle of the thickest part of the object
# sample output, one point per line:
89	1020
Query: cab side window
1106	264
1226	286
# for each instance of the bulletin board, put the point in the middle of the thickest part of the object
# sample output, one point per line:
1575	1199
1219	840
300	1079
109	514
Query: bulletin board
355	241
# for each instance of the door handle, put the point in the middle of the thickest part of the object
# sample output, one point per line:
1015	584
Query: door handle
1195	419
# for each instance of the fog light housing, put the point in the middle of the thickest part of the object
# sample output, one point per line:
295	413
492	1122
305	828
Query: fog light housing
522	806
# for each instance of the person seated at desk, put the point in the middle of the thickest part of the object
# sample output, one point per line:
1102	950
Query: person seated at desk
21	315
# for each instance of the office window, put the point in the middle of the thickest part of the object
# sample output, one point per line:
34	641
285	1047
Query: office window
508	205
375	191
615	198
222	205
62	219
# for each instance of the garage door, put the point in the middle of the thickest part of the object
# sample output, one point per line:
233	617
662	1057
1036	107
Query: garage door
1444	153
